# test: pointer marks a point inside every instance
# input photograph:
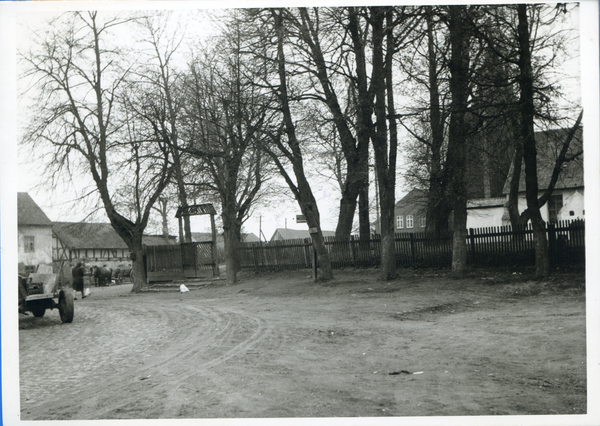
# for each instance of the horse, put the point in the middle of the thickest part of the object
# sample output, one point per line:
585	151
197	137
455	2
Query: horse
121	273
102	275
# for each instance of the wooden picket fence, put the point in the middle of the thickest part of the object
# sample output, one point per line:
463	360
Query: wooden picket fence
179	261
487	247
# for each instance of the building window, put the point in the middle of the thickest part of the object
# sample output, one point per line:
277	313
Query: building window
29	244
422	222
409	221
399	222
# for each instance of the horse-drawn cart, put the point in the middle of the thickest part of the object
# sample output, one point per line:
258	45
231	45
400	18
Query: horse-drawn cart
38	293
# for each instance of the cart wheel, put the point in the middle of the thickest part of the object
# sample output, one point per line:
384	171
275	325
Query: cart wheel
38	313
65	306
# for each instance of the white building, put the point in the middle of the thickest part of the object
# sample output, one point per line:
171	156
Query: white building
567	199
35	235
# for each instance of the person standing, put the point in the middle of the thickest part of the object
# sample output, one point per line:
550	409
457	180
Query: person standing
78	272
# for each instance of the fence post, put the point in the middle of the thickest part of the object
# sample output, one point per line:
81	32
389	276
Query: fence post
307	257
255	254
412	250
472	240
552	242
352	251
314	263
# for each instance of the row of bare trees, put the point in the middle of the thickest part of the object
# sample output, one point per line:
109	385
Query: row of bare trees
116	98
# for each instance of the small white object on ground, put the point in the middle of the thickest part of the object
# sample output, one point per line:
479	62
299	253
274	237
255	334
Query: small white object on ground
183	288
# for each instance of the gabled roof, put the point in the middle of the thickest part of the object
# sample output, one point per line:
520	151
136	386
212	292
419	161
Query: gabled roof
250	238
548	144
414	202
88	235
98	236
29	213
199	237
158	240
207	236
294	234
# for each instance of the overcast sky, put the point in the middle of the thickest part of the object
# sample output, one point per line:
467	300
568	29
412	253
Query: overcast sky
59	206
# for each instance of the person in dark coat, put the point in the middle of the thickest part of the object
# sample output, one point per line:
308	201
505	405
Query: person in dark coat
78	272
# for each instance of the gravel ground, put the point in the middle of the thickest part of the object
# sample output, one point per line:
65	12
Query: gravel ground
280	346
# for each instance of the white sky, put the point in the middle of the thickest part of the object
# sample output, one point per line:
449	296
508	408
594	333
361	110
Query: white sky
58	204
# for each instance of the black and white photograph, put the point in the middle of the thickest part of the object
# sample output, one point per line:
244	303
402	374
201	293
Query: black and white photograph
306	213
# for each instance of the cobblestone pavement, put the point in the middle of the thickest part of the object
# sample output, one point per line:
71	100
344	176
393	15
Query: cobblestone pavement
117	341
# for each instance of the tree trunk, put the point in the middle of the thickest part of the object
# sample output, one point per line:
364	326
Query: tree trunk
343	229
138	264
457	137
385	161
513	194
355	150
231	239
542	260
231	262
364	223
302	190
438	207
364	123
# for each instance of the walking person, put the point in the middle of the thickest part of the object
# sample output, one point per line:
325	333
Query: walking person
78	272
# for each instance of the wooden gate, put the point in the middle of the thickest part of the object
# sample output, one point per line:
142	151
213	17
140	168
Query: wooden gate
171	262
197	259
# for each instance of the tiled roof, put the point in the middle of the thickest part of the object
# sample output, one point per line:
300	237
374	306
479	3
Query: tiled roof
199	237
29	213
415	202
207	236
294	234
98	235
88	235
250	238
548	144
158	240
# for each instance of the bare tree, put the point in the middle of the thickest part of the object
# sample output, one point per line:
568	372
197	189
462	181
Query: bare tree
226	111
457	135
164	82
286	147
80	80
320	34
531	45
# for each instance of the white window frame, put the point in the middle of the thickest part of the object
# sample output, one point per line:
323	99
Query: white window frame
399	222
409	221
422	221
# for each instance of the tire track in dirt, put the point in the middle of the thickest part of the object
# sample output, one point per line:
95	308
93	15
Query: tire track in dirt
221	336
118	348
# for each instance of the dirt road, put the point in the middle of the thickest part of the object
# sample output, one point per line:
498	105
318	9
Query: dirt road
278	345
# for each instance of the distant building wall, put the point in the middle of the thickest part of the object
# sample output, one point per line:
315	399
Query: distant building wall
572	200
35	245
484	217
